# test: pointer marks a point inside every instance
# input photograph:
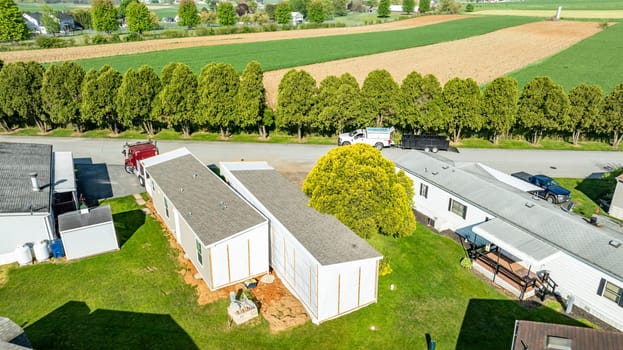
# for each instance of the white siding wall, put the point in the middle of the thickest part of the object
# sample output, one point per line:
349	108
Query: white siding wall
88	241
582	281
435	206
17	230
616	206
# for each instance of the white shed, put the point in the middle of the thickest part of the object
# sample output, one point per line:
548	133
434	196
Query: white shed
224	236
330	269
88	232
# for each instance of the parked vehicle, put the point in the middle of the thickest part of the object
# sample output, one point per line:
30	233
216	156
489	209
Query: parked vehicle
136	152
377	137
552	191
426	143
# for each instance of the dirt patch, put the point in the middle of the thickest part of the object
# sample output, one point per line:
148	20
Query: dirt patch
482	58
280	308
82	52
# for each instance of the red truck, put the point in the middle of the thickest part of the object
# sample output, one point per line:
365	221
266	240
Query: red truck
136	152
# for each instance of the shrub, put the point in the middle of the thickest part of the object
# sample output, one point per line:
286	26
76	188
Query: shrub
133	37
47	42
98	39
270	27
466	263
469	8
173	33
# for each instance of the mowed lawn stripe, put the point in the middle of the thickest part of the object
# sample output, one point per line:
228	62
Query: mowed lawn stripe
595	60
296	52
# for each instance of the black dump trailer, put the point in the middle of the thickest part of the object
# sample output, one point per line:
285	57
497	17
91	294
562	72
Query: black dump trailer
427	143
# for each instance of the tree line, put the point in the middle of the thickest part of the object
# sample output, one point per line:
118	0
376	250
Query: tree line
222	100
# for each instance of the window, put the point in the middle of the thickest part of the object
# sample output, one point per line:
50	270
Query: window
424	190
199	253
611	291
166	207
457	208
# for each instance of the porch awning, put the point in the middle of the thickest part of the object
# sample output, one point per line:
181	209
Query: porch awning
64	177
516	241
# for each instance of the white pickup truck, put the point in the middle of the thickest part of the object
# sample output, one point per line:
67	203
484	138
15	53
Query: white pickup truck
377	137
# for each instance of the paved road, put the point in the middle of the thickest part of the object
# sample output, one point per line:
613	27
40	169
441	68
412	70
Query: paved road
94	156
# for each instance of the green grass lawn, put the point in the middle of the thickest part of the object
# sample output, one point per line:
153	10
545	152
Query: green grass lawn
595	60
135	298
37	7
295	52
587	193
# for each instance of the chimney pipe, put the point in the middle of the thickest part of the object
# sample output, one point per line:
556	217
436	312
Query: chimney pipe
34	182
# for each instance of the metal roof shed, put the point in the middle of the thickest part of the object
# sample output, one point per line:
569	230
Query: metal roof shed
330	269
88	232
225	238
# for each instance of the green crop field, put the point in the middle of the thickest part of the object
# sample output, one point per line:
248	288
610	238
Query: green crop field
595	60
36	7
136	299
552	5
291	53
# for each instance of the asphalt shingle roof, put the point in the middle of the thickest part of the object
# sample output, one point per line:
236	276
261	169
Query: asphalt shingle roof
212	209
324	236
17	161
542	221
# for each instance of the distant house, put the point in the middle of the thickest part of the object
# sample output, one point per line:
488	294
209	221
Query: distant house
224	237
297	18
35	24
398	9
523	244
543	336
326	266
36	184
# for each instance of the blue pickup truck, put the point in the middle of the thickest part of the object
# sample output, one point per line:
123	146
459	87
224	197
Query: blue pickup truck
552	191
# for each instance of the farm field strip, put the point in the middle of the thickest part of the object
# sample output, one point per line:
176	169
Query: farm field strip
596	60
85	52
482	58
590	14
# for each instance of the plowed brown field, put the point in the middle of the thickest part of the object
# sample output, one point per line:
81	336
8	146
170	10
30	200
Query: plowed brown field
80	52
482	58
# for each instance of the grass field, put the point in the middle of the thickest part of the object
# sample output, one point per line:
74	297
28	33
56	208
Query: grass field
37	7
291	53
596	60
553	5
135	298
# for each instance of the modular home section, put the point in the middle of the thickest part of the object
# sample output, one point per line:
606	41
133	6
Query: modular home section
330	269
225	238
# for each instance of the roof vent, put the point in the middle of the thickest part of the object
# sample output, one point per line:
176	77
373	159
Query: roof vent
181	189
222	205
529	204
34	182
195	175
435	172
445	166
615	243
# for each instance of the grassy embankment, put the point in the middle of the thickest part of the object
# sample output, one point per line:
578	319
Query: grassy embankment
135	298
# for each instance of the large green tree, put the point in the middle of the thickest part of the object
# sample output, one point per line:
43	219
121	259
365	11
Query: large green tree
338	105
12	25
176	103
383	9
462	105
340	7
613	115
50	20
187	14
82	17
316	11
543	107
123	5
226	14
424	6
380	98
499	106
218	87
283	13
362	189
60	93
251	98
135	95
408	6
98	98
104	16
20	93
421	104
138	18
585	105
296	98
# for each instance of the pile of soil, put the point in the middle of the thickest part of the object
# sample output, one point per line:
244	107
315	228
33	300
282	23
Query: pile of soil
280	308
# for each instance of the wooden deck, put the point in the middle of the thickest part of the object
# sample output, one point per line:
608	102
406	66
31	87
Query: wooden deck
509	271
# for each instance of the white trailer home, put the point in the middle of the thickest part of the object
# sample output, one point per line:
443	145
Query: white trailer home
330	269
225	238
523	243
35	184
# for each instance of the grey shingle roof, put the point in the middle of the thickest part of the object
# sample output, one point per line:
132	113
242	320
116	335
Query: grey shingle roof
17	161
542	221
324	236
212	209
77	219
